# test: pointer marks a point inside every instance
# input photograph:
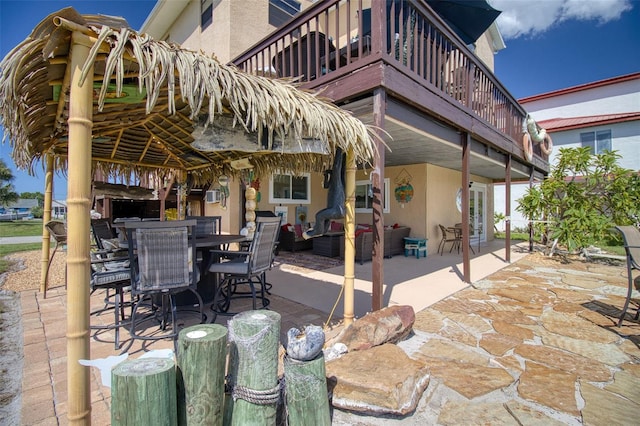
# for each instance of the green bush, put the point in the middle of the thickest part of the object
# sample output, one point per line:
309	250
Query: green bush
583	198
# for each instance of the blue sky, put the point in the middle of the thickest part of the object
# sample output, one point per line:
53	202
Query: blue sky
551	44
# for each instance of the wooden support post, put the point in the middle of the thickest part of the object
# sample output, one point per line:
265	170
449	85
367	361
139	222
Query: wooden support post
377	182
201	356
46	217
78	220
466	163
349	238
253	368
507	210
143	392
306	394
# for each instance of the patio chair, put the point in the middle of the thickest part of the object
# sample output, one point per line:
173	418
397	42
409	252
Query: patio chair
111	274
631	236
246	268
207	225
448	236
57	230
162	265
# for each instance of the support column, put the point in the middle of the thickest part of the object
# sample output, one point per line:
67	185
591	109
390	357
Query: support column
507	210
531	218
377	183
46	217
466	161
78	261
349	237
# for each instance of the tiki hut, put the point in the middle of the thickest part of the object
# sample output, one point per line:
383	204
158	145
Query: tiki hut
86	93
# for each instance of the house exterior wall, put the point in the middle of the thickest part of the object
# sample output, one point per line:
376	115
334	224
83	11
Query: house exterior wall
239	24
617	95
625	138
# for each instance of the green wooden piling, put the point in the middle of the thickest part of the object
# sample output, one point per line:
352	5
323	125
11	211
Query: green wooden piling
143	391
307	398
253	368
201	357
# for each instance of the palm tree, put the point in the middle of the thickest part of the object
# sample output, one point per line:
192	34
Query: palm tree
7	194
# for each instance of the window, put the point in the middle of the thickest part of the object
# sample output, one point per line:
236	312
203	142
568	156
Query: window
364	196
598	141
288	189
206	13
280	11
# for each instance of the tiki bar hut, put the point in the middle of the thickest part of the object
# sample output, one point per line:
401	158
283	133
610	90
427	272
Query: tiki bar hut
84	94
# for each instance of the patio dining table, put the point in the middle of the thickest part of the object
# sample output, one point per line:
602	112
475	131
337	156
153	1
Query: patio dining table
204	245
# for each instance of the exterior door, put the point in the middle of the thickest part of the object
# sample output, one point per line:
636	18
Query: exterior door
477	212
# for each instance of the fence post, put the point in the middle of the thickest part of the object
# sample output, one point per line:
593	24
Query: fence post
201	360
143	391
253	368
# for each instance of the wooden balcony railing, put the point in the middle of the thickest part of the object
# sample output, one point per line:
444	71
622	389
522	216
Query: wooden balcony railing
335	37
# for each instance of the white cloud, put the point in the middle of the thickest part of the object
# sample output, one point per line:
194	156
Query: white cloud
531	18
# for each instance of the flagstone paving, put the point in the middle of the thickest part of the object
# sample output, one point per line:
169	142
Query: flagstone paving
534	343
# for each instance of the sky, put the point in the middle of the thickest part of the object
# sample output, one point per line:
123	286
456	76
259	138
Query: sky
551	45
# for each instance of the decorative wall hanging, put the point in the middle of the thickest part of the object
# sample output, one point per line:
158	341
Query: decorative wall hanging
404	189
301	215
223	181
282	211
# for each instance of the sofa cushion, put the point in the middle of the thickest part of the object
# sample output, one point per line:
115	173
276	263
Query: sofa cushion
298	230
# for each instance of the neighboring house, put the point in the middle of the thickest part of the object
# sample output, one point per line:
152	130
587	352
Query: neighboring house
603	115
396	65
18	210
59	209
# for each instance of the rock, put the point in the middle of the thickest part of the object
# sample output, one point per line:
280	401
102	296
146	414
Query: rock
305	345
395	388
388	325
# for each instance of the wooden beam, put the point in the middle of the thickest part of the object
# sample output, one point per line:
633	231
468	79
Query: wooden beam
377	182
466	162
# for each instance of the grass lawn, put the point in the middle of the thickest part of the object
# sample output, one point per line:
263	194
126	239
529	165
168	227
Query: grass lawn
21	228
18	228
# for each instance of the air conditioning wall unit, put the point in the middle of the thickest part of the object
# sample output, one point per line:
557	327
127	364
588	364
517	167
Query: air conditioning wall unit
213	196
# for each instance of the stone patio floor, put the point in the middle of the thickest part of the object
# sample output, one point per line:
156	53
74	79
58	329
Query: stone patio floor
534	343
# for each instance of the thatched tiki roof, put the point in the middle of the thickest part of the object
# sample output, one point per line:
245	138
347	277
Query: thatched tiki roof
87	92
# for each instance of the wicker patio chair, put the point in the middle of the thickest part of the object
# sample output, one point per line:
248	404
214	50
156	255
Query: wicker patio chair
246	267
631	236
162	265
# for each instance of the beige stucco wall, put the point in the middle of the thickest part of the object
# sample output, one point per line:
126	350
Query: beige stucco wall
484	51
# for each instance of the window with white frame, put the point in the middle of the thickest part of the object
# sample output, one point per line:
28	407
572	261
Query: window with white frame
364	196
289	189
206	13
598	141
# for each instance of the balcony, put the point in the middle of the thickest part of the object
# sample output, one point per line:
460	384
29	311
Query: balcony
350	48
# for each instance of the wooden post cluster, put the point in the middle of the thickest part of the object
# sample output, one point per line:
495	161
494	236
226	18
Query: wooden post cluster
143	392
201	359
253	368
306	393
154	391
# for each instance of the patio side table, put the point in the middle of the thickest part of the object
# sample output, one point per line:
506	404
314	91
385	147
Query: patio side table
419	245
